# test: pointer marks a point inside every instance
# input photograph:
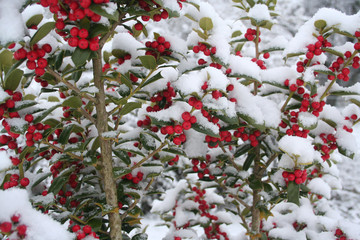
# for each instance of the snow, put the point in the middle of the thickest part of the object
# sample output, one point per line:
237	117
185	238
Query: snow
318	186
332	17
298	149
260	12
5	161
194	145
169	199
307	120
40	226
11	21
244	66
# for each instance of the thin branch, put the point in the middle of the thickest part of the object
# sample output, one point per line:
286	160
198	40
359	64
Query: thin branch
87	115
111	31
69	85
149	156
63	151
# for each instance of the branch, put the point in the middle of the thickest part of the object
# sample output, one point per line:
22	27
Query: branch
111	31
87	115
149	156
69	85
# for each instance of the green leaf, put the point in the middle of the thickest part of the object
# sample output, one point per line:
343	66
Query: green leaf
53	99
95	224
99	10
129	107
34	20
250	158
42	32
320	24
355	101
120	171
140	236
57	184
236	34
294	54
147	141
73	102
6	59
80	56
153	79
200	33
148	61
24	104
206	23
255	183
12	79
242	150
41	179
333	51
123	156
44	114
343	93
65	134
293	191
97	29
251	2
59	60
203	129
329	122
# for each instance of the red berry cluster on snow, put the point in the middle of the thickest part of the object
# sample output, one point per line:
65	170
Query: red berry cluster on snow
202	168
247	134
34	57
250	34
83	232
162	100
14	181
13	227
340	235
298	176
328	145
212	231
158	48
155	11
69	13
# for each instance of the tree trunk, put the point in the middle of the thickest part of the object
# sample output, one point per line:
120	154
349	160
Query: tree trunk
106	153
255	220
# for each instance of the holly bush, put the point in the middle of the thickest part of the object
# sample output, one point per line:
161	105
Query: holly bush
97	108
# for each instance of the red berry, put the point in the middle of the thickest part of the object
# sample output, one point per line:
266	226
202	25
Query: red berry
5	227
74	31
24	182
266	55
85	3
73	41
83	43
87	229
138	26
94	46
83	33
164	14
15	218
42	62
29	118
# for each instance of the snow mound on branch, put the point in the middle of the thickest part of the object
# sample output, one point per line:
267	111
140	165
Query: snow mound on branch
40	226
319	186
298	149
260	12
11	21
170	198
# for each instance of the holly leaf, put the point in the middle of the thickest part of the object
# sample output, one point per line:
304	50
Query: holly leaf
42	32
293	191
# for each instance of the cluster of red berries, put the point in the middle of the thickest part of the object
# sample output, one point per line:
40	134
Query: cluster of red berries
250	34
202	167
136	178
299	176
174	160
35	57
157	13
72	12
83	232
9	228
299	226
340	235
80	38
162	100
315	49
158	48
212	231
259	62
121	60
208	51
357	45
14	181
329	144
176	131
146	123
247	134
